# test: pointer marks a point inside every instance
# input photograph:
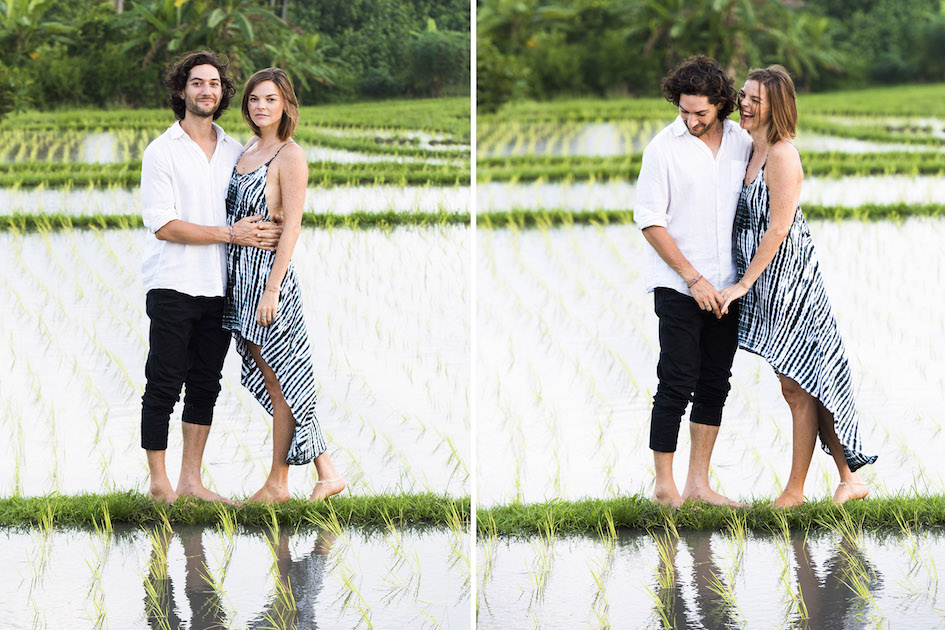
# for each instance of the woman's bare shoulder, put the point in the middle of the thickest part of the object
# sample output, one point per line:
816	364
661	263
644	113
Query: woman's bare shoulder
784	158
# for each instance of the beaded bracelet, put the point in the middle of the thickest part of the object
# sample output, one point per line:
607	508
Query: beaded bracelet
692	282
232	234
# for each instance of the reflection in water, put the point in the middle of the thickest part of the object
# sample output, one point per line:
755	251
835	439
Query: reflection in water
711	606
848	584
290	606
839	595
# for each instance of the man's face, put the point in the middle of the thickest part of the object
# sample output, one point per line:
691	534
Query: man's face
203	91
698	113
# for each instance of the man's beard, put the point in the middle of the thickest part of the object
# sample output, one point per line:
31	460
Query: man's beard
194	108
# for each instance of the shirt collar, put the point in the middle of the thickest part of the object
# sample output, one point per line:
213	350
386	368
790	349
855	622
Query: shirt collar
177	132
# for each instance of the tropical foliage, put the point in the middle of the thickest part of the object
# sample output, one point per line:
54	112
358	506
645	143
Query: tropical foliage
540	49
86	52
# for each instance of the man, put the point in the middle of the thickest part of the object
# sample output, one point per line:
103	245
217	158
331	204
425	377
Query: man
687	192
184	178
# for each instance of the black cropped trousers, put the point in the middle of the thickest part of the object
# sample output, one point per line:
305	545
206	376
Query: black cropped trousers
188	346
695	364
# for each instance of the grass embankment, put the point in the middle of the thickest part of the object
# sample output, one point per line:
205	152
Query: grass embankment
627	167
325	174
356	220
521	219
637	512
131	507
443	115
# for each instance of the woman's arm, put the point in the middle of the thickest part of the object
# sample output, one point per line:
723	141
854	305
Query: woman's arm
783	175
293	180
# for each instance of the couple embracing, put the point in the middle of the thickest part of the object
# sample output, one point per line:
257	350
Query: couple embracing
223	221
732	264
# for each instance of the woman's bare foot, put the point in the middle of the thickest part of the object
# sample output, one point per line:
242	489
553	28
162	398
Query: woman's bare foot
850	491
788	500
327	488
271	493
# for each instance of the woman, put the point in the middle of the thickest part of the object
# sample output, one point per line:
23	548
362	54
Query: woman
263	306
784	313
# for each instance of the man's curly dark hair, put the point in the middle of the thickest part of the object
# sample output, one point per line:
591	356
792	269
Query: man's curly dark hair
176	80
701	76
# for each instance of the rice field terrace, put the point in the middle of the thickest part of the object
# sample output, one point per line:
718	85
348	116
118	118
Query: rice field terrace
408	142
383	262
567	351
881	131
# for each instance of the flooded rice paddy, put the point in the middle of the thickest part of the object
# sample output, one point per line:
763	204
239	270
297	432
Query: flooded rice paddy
213	578
387	314
714	580
126	145
603	139
567	351
337	200
621	195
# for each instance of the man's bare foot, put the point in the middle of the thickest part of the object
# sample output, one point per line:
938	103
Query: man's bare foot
199	492
327	488
708	495
850	491
271	493
788	500
162	493
669	499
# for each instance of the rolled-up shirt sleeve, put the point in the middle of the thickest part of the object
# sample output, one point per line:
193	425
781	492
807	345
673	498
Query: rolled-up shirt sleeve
652	203
157	191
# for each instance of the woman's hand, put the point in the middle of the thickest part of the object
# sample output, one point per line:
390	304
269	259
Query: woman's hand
732	293
268	306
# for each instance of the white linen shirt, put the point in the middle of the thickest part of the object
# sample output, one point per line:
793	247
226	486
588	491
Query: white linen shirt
693	195
178	182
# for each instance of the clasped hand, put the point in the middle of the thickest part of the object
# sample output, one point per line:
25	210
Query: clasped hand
253	232
732	293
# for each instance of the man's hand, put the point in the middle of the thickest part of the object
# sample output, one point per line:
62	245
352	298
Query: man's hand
707	297
732	293
252	232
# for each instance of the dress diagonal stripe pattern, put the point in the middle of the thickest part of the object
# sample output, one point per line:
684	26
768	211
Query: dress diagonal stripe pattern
285	344
786	317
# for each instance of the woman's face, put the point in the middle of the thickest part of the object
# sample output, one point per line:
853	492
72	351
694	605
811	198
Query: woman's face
265	104
753	106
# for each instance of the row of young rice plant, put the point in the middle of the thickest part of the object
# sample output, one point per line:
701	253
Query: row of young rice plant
923	192
916	101
448	116
379	200
103	144
577	167
128	174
